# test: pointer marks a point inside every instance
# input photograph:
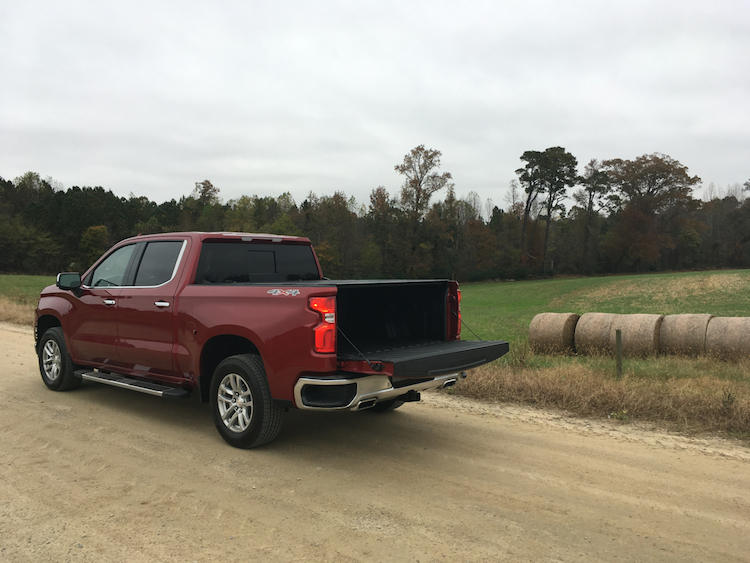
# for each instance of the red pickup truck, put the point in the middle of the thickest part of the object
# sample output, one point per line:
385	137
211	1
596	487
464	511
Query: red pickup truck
251	323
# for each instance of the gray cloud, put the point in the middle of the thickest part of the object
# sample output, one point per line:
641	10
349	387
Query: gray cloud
150	97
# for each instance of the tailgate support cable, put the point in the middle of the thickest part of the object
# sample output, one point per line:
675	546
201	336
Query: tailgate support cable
463	323
374	367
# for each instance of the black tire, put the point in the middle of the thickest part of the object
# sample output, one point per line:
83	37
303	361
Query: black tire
55	364
241	405
387	406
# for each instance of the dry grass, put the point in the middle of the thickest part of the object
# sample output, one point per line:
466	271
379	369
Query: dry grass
16	313
700	404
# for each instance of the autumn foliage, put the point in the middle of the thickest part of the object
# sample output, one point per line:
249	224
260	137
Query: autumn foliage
618	216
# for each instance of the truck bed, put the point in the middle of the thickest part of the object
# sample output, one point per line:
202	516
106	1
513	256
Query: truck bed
403	322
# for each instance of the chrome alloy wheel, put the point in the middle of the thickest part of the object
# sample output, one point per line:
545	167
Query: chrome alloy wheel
52	360
235	402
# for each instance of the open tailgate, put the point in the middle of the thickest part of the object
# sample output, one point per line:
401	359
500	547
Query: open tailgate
431	359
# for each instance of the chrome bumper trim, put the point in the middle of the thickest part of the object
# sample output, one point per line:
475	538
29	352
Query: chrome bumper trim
370	387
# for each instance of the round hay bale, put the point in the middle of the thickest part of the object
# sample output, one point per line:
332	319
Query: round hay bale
728	337
684	334
553	333
592	333
640	334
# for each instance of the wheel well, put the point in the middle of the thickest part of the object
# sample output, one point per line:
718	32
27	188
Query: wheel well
43	324
215	351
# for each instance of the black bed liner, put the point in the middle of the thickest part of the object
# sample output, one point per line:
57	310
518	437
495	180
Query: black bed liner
428	359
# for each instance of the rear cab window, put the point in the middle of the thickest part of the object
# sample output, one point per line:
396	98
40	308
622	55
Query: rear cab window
224	262
158	263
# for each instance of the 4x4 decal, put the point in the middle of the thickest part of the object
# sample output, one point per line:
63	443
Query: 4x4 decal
283	291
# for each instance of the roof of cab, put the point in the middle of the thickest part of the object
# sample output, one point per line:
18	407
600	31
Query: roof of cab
225	235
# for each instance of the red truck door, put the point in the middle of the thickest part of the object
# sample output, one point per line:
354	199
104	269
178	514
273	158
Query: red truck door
145	313
92	329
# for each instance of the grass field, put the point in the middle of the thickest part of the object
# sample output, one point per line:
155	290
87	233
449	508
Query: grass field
504	310
700	394
19	296
24	289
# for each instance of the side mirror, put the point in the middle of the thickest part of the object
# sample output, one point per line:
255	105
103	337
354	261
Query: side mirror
69	280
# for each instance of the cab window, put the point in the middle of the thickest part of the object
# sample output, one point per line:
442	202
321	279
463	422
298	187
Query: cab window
111	272
240	262
158	263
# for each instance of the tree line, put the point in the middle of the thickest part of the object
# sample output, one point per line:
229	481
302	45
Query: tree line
616	216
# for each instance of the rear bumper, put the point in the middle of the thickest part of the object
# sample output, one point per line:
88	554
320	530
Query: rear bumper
346	393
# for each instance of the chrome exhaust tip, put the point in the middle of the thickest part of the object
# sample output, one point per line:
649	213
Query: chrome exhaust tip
366	404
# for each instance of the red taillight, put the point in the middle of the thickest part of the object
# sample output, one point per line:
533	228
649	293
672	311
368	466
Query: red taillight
458	306
324	334
453	312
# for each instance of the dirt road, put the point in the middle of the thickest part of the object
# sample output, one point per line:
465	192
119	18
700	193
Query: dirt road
102	474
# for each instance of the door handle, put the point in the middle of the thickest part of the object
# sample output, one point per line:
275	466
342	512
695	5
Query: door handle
108	302
161	304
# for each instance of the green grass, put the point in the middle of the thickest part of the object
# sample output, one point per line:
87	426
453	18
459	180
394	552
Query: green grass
24	290
503	310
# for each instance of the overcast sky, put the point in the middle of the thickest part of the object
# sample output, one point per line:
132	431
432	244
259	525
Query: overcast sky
266	97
